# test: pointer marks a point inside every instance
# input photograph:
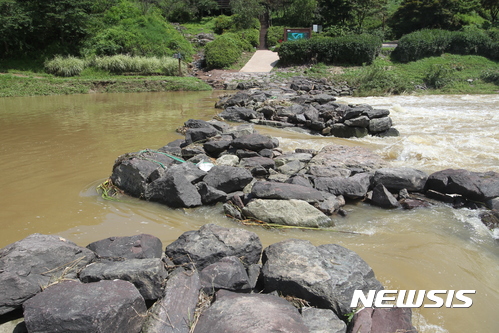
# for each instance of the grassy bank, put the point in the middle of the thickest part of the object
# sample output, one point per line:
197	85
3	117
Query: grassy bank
12	85
29	78
446	74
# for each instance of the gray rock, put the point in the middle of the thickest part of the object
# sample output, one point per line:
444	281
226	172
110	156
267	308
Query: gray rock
476	186
238	114
230	160
211	243
362	121
209	194
354	187
199	134
326	276
376	113
285	191
493	203
323	98
328	171
228	273
255	142
228	179
322	321
131	172
299	180
215	147
148	275
383	198
331	204
71	306
287	158
241	130
265	162
133	247
174	189
396	179
378	125
232	211
250	313
33	263
344	131
382	320
174	313
287	212
338	156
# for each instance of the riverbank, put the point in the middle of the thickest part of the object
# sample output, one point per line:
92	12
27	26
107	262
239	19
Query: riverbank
447	74
18	85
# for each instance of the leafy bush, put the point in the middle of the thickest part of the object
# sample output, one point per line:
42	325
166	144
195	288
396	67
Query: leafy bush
352	50
65	66
274	35
422	44
428	43
470	41
223	23
438	76
490	76
222	52
242	44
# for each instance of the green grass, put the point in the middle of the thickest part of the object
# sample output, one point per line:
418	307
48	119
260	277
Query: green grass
14	86
205	25
447	74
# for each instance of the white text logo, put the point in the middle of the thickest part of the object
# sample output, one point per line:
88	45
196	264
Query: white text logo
413	298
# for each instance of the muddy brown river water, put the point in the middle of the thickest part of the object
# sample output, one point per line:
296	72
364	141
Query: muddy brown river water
55	150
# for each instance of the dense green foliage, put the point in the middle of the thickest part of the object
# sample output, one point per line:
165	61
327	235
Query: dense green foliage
222	52
347	50
427	43
274	35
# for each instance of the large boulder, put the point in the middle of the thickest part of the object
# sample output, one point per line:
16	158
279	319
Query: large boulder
326	276
378	125
72	306
285	191
322	321
355	187
287	212
255	142
31	264
228	274
211	243
478	186
133	247
344	157
174	188
382	320
383	198
131	172
396	179
228	179
193	135
238	114
250	313
148	275
174	313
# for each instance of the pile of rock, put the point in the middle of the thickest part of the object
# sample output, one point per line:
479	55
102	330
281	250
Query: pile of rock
211	278
315	111
255	179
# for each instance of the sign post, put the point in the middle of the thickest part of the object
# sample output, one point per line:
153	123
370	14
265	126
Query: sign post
297	34
179	57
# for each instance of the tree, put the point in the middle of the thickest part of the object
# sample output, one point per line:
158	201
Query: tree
415	15
246	11
350	14
492	6
301	13
15	24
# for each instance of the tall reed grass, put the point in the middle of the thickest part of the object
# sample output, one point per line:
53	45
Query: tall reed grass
65	66
117	64
120	64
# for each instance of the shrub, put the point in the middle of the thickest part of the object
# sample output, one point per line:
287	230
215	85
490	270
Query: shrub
223	23
242	44
65	66
438	76
222	52
422	44
347	50
274	35
490	76
470	41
